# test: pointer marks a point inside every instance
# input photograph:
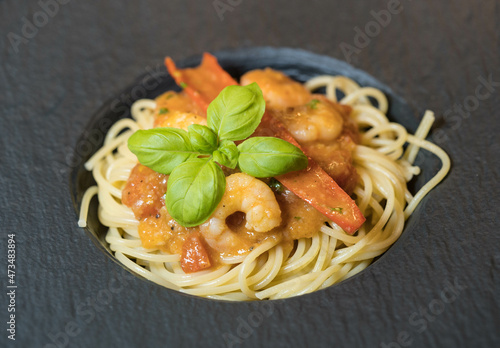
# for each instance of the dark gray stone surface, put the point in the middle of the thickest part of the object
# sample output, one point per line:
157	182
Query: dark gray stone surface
438	286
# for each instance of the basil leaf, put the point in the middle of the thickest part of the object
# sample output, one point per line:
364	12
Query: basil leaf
161	149
202	138
194	190
264	157
227	154
236	112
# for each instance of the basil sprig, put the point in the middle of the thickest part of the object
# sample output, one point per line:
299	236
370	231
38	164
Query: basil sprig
193	158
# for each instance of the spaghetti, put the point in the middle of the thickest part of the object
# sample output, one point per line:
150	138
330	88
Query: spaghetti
271	271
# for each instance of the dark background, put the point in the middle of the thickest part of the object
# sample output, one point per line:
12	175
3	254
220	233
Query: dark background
438	287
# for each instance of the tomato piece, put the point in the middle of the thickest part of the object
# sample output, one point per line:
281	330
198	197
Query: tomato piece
194	255
203	83
144	191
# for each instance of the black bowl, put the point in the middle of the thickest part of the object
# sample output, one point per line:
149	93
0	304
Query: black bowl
298	64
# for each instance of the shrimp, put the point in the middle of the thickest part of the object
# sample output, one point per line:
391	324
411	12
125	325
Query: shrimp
178	119
309	118
256	200
177	110
170	101
317	121
279	90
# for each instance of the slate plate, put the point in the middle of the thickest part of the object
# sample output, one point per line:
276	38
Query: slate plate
437	286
